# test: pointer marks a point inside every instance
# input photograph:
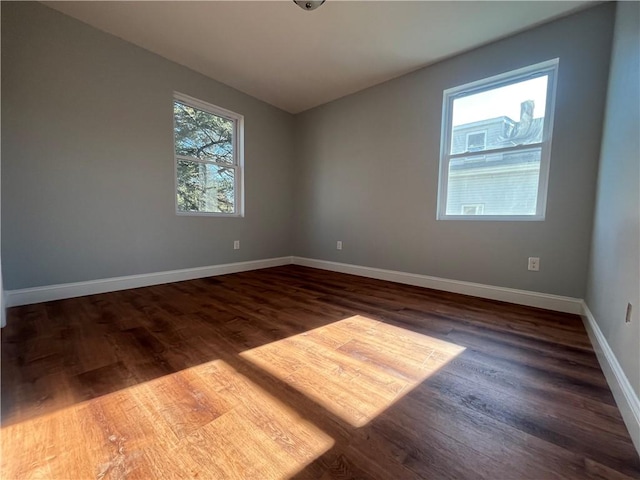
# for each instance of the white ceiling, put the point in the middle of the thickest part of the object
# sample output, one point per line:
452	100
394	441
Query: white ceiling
296	60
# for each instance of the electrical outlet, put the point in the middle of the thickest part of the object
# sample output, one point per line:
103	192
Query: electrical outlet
236	244
339	245
627	318
534	264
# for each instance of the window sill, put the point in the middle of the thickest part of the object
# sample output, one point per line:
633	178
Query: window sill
209	214
493	218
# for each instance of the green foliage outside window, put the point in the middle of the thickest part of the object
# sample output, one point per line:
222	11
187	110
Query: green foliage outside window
204	146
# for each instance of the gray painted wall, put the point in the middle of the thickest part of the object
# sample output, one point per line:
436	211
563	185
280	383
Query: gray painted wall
87	149
367	169
87	181
614	276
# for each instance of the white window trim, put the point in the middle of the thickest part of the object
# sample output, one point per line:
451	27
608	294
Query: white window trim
238	156
549	68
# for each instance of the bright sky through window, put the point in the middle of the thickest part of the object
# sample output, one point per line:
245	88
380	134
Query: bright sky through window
501	101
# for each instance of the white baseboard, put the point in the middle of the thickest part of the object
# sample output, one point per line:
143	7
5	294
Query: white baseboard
626	398
28	296
510	295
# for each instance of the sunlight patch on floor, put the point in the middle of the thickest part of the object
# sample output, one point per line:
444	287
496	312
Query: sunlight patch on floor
357	367
208	421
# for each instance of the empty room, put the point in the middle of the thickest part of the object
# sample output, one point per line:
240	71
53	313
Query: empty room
320	240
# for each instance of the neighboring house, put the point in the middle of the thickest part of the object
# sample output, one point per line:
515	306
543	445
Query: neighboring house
496	183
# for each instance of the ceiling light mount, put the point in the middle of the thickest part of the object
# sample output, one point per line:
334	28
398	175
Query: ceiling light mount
308	4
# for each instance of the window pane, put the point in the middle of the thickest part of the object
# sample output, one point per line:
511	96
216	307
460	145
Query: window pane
476	141
203	187
498	184
505	116
202	135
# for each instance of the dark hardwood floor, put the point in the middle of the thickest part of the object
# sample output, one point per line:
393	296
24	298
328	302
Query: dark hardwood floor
292	372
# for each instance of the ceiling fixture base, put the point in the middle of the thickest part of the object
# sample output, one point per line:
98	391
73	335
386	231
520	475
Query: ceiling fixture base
308	4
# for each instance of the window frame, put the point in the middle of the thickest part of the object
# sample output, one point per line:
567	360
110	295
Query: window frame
238	155
548	68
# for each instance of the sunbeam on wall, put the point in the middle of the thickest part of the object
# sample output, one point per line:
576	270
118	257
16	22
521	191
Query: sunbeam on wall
357	367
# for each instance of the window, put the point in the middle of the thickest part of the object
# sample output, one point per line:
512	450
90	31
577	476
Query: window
476	209
476	141
496	145
208	155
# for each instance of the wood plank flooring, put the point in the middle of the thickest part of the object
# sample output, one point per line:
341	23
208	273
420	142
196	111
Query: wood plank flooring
292	372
